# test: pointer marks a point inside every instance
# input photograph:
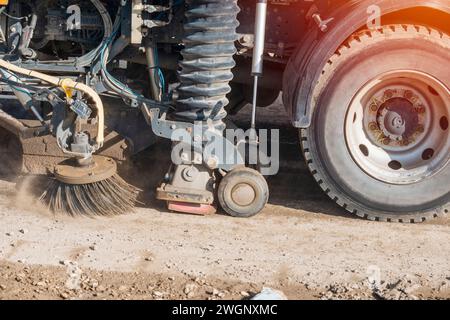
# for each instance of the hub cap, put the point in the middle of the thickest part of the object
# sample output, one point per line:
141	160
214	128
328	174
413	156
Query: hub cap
243	194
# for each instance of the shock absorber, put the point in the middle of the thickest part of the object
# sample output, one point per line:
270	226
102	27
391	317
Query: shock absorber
210	33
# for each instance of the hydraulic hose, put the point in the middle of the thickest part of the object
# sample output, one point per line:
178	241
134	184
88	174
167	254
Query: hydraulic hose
66	84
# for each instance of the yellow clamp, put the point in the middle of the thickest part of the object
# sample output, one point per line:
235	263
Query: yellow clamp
65	85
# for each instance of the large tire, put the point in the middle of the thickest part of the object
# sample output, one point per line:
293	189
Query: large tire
393	193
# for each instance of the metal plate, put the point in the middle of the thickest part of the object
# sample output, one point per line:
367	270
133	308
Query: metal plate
70	172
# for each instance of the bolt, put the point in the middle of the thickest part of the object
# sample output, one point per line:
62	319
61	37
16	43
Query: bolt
408	94
405	142
374	107
373	126
386	141
389	94
184	156
212	162
420	129
420	109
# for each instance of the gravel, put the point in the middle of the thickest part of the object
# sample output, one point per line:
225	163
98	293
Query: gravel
302	244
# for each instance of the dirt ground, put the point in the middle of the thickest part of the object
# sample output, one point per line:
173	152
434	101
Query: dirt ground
302	244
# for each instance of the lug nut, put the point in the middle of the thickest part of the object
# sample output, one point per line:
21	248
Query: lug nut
405	142
386	141
408	94
374	107
420	109
388	94
373	126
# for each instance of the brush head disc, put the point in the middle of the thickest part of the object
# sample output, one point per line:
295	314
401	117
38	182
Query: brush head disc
91	189
72	172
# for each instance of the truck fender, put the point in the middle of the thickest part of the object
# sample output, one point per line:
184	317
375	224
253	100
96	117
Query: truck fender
306	64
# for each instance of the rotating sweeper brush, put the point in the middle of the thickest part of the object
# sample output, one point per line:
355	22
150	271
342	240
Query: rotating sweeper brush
89	187
84	184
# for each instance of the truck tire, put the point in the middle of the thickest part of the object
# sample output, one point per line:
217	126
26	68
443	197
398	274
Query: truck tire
379	140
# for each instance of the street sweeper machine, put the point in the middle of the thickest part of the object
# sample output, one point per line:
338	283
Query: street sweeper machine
86	84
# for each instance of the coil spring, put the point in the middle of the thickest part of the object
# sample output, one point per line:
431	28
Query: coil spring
210	33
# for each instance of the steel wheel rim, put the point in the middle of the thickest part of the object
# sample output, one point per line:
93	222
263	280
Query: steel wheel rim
396	127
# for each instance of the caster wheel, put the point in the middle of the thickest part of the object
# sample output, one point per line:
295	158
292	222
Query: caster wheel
243	193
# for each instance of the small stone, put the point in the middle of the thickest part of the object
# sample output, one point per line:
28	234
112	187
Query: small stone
149	259
2	287
10	234
189	288
65	262
211	291
191	295
123	288
245	294
171	278
157	293
64	295
40	284
100	288
93	247
23	231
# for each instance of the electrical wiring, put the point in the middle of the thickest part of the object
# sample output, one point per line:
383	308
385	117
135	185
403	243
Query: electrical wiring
158	72
3	12
89	57
110	80
6	76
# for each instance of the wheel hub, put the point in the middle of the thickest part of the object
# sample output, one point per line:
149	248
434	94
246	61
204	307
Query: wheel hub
397	117
398	120
243	194
396	127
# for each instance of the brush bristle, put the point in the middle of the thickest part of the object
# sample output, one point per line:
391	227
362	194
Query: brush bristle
112	196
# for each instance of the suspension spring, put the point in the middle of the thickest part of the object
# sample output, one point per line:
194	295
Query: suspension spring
210	33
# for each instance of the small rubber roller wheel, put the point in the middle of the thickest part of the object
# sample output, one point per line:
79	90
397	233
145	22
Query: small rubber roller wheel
243	192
